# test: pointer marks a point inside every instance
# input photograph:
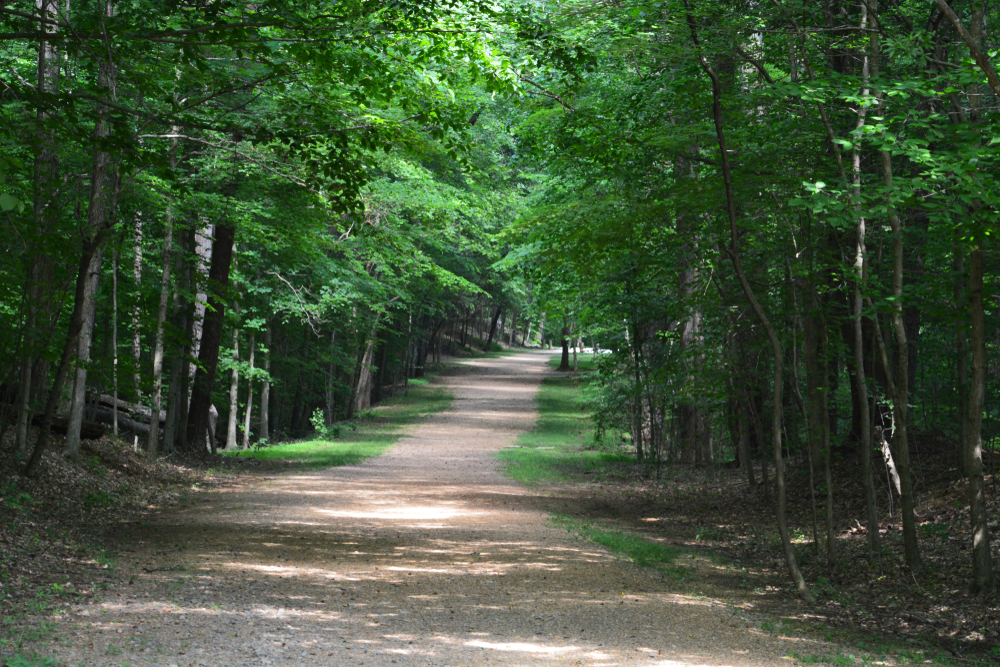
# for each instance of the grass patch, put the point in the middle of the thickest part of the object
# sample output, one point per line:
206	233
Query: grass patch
640	551
584	362
560	447
368	435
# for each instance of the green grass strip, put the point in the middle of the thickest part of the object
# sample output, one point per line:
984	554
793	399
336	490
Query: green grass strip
560	447
636	549
368	435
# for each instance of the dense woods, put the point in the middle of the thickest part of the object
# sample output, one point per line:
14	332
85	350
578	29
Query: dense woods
228	224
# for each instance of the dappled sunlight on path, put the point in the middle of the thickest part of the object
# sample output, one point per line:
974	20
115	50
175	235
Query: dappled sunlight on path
426	555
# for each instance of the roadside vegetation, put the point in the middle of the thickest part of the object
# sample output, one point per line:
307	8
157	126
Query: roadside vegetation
698	527
368	434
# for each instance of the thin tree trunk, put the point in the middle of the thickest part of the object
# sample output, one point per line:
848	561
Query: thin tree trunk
772	336
176	366
265	391
234	389
982	565
75	325
79	394
861	270
46	213
114	339
493	329
137	310
901	387
103	186
161	319
249	412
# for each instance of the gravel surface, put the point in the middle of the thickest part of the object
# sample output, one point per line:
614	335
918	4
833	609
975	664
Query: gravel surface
426	555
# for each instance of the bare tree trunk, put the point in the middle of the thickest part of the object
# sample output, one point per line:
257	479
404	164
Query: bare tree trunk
103	186
265	391
234	389
176	366
772	336
901	387
861	271
361	400
161	319
79	394
982	564
493	329
137	309
249	411
211	338
114	339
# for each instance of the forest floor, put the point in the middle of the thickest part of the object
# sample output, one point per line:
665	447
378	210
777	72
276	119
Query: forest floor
425	555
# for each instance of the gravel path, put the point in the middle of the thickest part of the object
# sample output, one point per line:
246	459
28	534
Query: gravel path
426	555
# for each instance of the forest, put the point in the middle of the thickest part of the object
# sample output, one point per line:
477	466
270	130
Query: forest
229	225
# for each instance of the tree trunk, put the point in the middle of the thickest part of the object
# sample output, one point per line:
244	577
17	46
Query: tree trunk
265	391
564	362
900	387
137	310
211	337
982	565
75	325
234	389
161	319
249	412
103	186
361	398
177	364
758	310
860	269
78	396
487	346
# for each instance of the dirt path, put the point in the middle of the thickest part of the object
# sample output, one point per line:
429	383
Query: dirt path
424	556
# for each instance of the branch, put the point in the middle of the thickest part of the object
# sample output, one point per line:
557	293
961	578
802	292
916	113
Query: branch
546	93
974	50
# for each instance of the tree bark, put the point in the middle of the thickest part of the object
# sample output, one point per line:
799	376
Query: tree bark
982	564
79	394
493	329
137	309
564	362
265	391
249	411
103	187
75	325
361	399
161	319
176	366
211	337
234	390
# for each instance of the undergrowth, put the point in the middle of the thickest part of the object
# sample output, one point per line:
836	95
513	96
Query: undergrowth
367	435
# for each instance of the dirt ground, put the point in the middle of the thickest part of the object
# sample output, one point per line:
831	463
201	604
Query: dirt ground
426	555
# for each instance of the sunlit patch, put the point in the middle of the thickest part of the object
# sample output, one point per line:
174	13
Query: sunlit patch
523	647
405	513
